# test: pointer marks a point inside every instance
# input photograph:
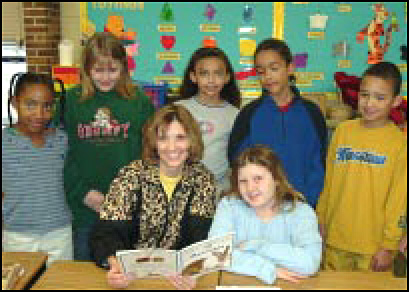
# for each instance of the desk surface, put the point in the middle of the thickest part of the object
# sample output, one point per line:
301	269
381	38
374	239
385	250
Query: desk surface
77	275
327	281
31	261
86	276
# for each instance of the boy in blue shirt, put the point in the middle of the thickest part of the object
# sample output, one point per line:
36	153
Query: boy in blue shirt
282	120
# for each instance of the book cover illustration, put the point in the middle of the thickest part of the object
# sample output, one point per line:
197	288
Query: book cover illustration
195	260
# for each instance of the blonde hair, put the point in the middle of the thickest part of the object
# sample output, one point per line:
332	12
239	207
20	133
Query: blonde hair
265	157
105	44
164	117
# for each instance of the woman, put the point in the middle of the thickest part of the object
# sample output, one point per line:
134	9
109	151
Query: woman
166	200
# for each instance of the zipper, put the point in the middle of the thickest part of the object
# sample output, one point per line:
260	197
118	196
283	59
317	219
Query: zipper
282	126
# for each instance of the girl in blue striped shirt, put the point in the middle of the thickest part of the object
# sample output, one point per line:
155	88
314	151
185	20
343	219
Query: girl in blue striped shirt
36	215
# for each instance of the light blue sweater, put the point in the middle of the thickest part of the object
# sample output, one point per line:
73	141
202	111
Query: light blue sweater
290	240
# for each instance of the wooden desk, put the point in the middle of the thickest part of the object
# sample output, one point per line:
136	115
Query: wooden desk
75	275
32	263
327	281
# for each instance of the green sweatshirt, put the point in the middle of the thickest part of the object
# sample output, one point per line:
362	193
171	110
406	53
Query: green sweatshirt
104	134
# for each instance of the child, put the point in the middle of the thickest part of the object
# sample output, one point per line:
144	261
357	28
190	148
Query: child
290	125
103	117
211	94
36	215
276	233
365	190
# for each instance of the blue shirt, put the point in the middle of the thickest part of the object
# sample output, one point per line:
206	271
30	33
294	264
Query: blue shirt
290	240
294	138
32	181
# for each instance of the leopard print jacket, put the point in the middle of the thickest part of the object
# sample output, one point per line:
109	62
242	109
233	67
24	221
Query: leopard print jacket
160	221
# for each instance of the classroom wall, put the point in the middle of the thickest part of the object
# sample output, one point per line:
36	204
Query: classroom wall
71	26
345	20
42	34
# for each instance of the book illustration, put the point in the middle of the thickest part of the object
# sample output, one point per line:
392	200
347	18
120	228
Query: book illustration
218	260
148	259
195	260
10	275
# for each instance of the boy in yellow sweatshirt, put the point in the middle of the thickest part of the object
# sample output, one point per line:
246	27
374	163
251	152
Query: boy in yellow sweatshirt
365	191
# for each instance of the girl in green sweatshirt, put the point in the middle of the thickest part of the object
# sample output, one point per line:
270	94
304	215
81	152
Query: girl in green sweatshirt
103	118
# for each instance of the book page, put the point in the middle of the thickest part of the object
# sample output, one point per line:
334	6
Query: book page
206	256
147	262
235	288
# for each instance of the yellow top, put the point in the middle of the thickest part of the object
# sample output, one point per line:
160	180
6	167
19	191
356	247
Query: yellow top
169	184
365	191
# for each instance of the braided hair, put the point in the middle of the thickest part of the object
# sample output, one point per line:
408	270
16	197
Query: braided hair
20	80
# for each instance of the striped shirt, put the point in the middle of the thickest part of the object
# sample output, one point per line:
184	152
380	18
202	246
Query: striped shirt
32	182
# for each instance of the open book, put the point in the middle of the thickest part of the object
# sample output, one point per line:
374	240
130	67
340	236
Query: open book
194	260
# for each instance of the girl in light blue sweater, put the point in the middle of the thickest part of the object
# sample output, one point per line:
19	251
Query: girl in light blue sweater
276	232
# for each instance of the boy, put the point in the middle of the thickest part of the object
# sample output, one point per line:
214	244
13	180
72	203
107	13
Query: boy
285	122
365	191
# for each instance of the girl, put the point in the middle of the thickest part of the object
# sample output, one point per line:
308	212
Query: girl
290	125
276	233
36	215
166	200
211	95
104	117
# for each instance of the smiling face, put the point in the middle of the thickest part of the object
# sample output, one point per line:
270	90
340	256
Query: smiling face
105	73
257	187
273	71
173	148
210	74
376	99
34	106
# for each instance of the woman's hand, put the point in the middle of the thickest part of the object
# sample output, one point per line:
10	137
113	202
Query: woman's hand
182	282
287	275
94	200
116	279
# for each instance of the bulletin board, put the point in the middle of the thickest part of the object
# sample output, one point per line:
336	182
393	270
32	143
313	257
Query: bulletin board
161	36
167	33
333	46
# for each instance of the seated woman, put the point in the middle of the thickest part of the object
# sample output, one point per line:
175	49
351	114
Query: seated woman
166	200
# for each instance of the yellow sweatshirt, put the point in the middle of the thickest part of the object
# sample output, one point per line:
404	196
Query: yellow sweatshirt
365	191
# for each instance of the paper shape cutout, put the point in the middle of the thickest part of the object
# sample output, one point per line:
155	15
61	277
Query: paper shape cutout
167	41
210	12
300	60
115	25
248	14
132	50
340	49
247	47
394	23
318	21
374	30
166	13
168	68
209	42
243	75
